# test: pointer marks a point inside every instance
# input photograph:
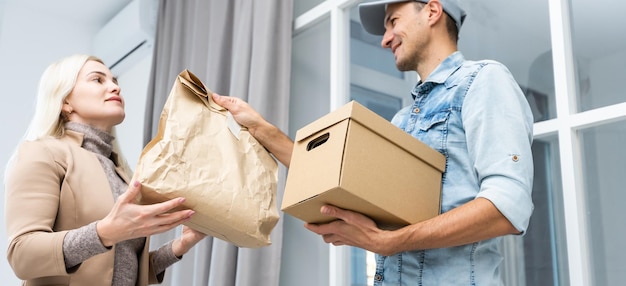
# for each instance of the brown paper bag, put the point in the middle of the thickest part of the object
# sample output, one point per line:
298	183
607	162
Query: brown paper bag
227	178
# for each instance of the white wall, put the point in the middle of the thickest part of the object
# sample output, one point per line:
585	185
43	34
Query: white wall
28	44
134	84
2	4
22	59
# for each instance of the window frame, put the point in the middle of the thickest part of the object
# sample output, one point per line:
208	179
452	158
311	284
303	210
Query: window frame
565	126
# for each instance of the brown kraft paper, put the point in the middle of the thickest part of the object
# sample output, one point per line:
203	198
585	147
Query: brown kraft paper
226	176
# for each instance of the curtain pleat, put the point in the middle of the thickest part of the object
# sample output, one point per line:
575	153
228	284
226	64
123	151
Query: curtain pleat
239	48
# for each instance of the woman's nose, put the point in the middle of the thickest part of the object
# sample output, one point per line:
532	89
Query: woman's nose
114	86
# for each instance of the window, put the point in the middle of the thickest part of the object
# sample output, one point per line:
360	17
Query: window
568	56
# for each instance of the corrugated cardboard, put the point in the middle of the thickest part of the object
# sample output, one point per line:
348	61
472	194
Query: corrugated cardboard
354	159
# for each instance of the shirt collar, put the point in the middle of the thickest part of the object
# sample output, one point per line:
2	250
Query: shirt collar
441	73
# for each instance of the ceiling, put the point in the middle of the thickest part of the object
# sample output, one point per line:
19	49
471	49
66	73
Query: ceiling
91	13
589	27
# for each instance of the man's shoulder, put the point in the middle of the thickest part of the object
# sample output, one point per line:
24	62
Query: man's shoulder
485	64
486	68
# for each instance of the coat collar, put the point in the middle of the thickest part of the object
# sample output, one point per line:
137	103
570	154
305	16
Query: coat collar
77	138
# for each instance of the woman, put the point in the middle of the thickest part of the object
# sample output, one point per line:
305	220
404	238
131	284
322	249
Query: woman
71	216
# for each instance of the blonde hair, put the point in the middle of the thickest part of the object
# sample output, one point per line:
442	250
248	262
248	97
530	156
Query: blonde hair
55	84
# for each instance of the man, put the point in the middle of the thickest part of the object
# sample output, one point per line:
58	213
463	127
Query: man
472	112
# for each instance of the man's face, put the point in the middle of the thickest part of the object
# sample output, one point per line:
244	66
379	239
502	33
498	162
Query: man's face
405	33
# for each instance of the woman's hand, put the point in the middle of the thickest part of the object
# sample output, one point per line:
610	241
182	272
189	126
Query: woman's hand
186	241
128	220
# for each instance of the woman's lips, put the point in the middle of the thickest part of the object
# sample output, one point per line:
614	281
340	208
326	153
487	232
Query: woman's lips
114	98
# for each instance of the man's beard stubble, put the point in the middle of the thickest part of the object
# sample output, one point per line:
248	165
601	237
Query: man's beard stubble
404	65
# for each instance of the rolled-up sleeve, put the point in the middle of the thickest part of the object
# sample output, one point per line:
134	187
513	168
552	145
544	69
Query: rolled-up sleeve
498	124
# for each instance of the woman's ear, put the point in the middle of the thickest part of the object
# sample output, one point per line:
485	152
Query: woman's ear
67	109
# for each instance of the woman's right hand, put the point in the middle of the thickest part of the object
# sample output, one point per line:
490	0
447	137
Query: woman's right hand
128	220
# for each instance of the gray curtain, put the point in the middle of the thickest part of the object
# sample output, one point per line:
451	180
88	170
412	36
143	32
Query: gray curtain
238	48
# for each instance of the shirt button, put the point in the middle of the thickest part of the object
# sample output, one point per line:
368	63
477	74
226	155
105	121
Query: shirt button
416	110
378	277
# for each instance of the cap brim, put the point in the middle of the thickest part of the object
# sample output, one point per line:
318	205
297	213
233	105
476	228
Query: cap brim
372	15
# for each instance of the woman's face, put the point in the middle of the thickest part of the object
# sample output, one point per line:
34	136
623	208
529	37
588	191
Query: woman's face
95	99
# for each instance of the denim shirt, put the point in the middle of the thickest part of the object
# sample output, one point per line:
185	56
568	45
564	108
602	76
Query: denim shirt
475	114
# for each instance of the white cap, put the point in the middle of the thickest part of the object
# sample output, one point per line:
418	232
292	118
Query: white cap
372	14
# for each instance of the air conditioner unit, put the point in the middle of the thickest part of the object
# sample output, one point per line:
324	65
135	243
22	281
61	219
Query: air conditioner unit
128	37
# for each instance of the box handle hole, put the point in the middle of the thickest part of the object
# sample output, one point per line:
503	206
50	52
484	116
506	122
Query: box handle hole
317	141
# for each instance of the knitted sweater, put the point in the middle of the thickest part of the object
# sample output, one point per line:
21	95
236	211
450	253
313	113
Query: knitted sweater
82	243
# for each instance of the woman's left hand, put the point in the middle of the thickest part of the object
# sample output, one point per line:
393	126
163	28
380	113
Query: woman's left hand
186	241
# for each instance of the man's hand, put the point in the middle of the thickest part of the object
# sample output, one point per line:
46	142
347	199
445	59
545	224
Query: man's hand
351	228
243	113
272	138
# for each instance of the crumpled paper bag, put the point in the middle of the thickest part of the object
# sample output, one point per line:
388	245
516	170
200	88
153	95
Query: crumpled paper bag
226	176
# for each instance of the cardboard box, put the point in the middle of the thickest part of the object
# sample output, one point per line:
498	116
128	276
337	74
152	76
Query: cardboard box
354	159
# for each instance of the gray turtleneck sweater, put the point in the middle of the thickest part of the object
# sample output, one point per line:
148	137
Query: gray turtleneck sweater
83	243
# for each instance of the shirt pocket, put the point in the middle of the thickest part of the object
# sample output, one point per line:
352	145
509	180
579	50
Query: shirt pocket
433	129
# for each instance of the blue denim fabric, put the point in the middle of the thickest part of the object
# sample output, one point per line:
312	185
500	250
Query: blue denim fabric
475	114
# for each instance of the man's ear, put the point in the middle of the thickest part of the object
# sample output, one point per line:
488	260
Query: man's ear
435	11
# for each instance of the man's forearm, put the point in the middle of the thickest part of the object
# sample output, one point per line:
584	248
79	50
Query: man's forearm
275	141
474	221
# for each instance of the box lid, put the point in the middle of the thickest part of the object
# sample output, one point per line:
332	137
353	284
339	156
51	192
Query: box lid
379	125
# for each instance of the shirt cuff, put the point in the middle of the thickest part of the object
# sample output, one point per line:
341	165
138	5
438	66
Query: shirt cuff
163	258
81	244
511	199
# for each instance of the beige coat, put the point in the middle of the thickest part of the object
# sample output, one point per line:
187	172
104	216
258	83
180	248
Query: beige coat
54	186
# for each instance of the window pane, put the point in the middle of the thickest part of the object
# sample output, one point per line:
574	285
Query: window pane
604	169
504	31
310	84
383	104
545	252
540	256
375	81
362	267
599	44
301	6
501	31
366	51
305	255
